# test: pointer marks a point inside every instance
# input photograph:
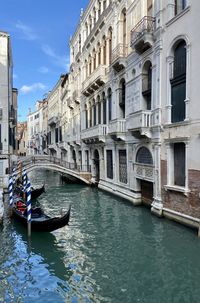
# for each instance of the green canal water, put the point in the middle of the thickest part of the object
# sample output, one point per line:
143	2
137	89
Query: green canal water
110	252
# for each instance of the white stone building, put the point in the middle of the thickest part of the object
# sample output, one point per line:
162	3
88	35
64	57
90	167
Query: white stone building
8	109
128	109
54	118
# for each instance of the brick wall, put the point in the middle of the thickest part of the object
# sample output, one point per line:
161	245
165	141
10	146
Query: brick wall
189	205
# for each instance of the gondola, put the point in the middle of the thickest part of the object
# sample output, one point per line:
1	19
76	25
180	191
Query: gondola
35	192
39	221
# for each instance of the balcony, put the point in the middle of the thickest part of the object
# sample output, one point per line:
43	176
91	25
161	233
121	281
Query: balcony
142	34
52	121
53	146
94	81
63	145
94	134
139	123
119	55
117	129
144	171
75	139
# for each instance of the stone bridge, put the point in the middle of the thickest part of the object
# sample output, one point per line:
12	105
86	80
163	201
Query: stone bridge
71	171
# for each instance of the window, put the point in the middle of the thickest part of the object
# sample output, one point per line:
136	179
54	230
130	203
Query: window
178	83
146	84
104	109
86	118
109	104
56	135
94	114
144	156
99	110
122	166
122	97
179	6
109	164
179	164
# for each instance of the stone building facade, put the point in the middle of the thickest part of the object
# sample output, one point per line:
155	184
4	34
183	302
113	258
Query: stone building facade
22	139
128	106
8	109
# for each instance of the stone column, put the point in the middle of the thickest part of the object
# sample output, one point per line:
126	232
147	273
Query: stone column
170	67
157	202
107	52
102	51
170	9
101	6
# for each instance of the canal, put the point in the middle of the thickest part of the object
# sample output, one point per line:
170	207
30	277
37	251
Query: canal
110	252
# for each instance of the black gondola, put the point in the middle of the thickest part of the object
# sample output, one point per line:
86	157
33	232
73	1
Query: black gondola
35	192
39	221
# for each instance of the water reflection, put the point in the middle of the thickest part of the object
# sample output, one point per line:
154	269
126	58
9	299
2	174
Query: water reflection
110	252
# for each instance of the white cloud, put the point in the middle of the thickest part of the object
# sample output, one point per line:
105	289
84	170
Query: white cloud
15	76
43	70
25	89
61	61
26	31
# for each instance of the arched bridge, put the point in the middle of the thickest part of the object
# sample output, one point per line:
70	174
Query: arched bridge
71	170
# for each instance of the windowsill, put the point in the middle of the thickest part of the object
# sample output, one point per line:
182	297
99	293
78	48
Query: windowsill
181	189
176	124
176	17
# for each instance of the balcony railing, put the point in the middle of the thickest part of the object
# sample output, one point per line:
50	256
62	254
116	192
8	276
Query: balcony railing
140	119
98	131
117	126
144	171
144	26
120	51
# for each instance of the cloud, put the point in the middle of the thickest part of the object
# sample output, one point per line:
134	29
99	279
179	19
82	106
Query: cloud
26	31
61	61
25	89
15	76
43	69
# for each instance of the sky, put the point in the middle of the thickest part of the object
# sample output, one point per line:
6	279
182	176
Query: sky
40	32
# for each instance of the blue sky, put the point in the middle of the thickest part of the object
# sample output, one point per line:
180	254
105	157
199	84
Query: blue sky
40	31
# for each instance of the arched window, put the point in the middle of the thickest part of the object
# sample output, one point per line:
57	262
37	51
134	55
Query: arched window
178	83
86	117
109	104
122	97
104	108
90	65
99	54
79	43
144	156
94	113
94	59
124	32
99	109
104	50
147	84
110	45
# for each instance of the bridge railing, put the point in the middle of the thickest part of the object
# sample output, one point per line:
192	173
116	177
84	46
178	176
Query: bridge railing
49	159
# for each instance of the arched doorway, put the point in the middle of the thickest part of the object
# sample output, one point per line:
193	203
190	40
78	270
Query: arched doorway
96	165
144	163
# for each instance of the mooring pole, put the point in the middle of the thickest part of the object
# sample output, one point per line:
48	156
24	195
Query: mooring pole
29	207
